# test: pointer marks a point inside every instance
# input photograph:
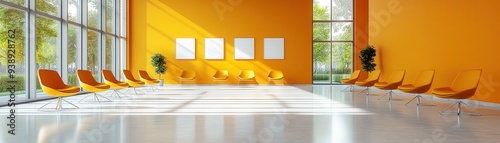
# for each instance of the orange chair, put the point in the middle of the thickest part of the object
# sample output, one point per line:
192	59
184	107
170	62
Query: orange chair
246	75
114	84
147	79
421	84
220	75
351	80
370	81
273	75
395	80
88	83
463	87
187	76
53	85
132	82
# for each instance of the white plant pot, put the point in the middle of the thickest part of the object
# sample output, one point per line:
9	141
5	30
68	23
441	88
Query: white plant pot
161	82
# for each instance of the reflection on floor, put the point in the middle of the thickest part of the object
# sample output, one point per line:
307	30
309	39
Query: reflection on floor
244	114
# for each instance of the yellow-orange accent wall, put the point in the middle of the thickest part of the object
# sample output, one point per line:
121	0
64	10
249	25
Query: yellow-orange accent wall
448	36
155	24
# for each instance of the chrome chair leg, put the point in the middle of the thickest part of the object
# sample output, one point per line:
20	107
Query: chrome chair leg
388	93
98	95
69	103
418	97
46	104
459	109
58	104
350	87
96	98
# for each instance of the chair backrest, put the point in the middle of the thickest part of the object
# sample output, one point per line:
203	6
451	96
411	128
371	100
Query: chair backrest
50	79
467	79
355	74
397	76
188	74
143	74
247	74
85	77
373	76
108	76
424	78
221	74
275	74
128	75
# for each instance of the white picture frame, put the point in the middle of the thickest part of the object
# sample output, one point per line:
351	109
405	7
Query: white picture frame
274	48
244	48
185	48
214	48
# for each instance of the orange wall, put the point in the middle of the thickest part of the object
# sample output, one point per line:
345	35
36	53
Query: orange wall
361	39
156	23
449	36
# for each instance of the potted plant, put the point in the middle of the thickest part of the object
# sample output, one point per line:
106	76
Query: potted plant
367	60
158	61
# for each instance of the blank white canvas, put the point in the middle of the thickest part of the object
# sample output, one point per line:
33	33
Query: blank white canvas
214	48
274	48
185	48
243	48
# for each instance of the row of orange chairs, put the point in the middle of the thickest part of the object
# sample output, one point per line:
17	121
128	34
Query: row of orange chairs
53	85
463	87
223	75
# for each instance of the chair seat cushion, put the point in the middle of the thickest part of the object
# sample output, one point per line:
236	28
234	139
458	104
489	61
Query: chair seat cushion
102	86
381	84
410	88
70	89
407	87
278	78
366	83
187	78
348	81
447	92
219	78
121	84
246	78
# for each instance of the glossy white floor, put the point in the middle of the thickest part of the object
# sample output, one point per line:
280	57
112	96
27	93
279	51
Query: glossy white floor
245	114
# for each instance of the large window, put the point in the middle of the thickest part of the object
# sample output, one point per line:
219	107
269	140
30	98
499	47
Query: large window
110	43
93	52
94	19
51	7
12	37
68	35
47	43
332	40
74	44
74	10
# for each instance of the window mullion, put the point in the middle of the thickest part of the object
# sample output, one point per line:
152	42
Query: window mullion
84	36
64	41
32	68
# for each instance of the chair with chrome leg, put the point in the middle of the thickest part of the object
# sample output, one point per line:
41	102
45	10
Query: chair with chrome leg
463	87
53	85
187	75
89	84
132	82
148	80
370	81
351	80
114	84
395	80
421	84
246	75
274	75
220	75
